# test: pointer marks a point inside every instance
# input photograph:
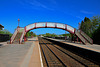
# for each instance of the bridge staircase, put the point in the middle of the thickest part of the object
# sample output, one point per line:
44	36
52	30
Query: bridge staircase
15	39
83	37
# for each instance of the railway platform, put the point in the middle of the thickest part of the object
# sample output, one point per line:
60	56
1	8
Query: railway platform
3	44
20	55
94	47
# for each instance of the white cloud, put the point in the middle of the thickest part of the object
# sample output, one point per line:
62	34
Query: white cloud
86	12
35	4
79	17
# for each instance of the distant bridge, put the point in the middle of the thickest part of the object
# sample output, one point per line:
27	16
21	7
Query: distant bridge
20	32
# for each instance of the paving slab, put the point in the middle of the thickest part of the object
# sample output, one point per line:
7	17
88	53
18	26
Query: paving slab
12	55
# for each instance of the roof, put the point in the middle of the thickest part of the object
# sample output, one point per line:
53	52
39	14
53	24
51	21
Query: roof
1	26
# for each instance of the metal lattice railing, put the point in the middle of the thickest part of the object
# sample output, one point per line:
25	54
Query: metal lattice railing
13	36
21	38
80	36
86	36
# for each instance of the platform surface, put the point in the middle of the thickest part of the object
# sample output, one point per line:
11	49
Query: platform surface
93	47
36	59
20	55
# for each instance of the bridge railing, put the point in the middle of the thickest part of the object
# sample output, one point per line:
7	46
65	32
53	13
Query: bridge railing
20	30
50	25
13	36
77	32
86	36
21	38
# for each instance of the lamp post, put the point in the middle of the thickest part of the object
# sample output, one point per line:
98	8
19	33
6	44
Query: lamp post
18	22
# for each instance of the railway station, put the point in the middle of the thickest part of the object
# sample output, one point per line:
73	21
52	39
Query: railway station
49	52
49	33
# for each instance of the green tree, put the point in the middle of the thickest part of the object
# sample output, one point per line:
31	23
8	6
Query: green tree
95	22
30	34
96	29
66	35
92	28
48	34
34	35
5	32
90	25
53	35
86	26
96	36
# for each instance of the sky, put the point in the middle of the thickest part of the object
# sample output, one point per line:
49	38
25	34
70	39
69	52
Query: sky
69	12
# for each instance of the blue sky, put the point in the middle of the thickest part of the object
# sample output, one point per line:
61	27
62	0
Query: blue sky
69	12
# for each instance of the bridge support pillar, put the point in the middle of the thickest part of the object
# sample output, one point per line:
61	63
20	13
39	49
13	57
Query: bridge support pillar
71	37
25	38
80	41
74	38
77	39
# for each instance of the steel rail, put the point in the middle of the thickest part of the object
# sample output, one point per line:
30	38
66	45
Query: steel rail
54	54
44	55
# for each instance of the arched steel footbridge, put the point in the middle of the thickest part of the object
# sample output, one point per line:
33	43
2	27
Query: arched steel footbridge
20	32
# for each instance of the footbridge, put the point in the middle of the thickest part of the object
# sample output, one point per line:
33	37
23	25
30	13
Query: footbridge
19	33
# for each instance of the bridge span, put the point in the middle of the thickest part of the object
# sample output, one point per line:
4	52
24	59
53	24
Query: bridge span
20	32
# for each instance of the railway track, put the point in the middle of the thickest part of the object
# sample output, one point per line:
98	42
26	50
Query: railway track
52	52
50	58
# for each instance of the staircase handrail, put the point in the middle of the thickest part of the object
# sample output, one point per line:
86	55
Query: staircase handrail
21	38
78	34
86	36
13	36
